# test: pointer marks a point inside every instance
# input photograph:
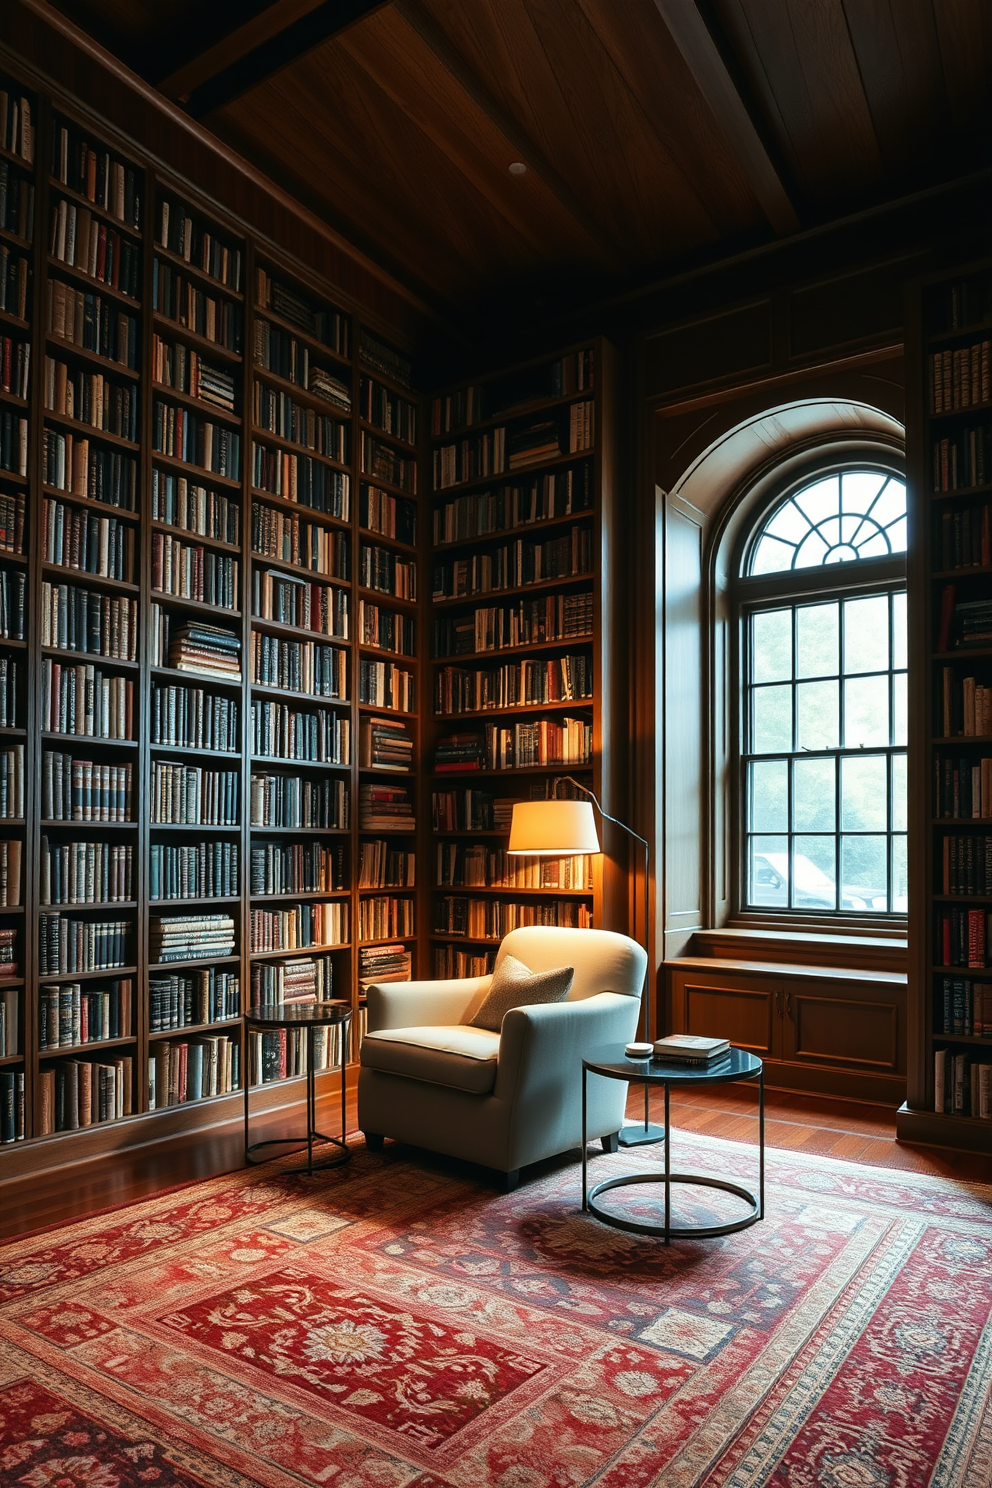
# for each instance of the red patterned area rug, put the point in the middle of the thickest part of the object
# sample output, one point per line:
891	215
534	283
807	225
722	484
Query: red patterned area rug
388	1325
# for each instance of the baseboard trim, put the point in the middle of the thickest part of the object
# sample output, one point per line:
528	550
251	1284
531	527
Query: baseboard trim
932	1129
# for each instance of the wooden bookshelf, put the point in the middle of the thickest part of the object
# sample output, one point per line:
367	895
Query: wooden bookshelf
202	474
520	469
950	1013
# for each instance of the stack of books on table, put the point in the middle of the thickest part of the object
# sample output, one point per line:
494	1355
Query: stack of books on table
385	808
190	937
383	963
690	1049
206	649
323	385
385	745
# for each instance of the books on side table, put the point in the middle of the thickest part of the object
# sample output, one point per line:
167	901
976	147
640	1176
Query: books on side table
690	1049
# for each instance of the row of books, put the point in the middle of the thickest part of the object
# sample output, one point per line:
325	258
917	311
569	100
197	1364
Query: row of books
491	919
388	515
89	168
16	202
281	1053
519	684
964	1007
184	999
962	1085
383	684
281	414
384	745
963	460
186	436
178	298
389	412
194	1069
960	303
192	718
77	539
322	322
323	923
190	937
74	1013
299	802
189	571
381	569
292	539
382	462
966	706
13	604
560	493
12	509
515	565
962	937
175	365
15	282
11	1106
90	321
15	366
13	443
383	865
290	600
464	811
517	746
83	702
304	979
385	808
12	782
453	961
302	479
963	622
73	463
965	539
279	731
480	867
296	868
385	916
386	629
16	124
68	945
179	502
966	864
960	377
190	795
503	449
962	787
81	241
78	790
10	692
82	872
528	622
10	1022
298	666
92	398
178	231
193	646
195	870
375	353
77	1093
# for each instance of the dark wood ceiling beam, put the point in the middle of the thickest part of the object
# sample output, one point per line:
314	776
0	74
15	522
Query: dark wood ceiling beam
690	34
260	48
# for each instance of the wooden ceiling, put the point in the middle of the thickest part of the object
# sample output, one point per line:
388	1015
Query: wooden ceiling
652	131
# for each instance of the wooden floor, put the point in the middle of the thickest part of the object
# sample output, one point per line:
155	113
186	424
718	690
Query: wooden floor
845	1129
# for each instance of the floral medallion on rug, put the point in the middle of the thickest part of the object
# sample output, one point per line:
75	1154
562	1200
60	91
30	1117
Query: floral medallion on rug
389	1325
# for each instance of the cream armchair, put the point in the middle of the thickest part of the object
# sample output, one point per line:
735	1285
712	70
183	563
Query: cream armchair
506	1099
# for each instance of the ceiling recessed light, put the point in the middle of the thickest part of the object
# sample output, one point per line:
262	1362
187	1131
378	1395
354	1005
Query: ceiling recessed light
517	168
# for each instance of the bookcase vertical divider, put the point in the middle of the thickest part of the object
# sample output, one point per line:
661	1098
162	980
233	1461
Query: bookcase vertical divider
141	800
244	881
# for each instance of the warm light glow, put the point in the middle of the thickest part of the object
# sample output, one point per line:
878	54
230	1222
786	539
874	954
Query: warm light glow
553	828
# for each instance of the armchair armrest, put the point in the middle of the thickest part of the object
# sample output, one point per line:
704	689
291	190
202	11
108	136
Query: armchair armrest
549	1039
424	1004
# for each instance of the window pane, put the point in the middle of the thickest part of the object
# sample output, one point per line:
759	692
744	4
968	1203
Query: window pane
769	796
899	630
866	712
771	640
864	875
866	634
818	631
772	729
768	871
814	884
818	720
813	795
899	792
900	709
900	876
820	500
863	791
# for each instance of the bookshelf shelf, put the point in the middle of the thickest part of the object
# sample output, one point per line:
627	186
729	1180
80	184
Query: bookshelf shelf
296	390
186	535
56	269
216	286
215	349
198	473
291	447
90	1047
92	358
81	576
200	406
263	312
90	431
101	508
57	187
191	1028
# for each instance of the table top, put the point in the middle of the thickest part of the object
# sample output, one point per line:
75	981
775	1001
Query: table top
610	1060
300	1015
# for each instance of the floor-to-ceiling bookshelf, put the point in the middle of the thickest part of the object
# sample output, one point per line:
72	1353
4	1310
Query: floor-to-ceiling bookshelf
519	464
950	357
212	439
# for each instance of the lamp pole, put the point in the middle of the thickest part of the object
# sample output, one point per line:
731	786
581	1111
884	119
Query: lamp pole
634	1134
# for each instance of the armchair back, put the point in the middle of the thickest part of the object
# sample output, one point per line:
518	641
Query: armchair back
603	960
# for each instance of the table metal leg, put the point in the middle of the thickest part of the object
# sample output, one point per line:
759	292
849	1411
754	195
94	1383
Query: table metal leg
345	1031
311	1098
668	1170
585	1160
246	1081
761	1143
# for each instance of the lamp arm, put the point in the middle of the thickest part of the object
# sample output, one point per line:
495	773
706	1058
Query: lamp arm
604	814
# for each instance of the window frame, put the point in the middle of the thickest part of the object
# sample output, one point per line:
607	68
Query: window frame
751	593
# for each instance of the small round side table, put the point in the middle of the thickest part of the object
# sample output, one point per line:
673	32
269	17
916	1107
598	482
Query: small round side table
612	1063
311	1016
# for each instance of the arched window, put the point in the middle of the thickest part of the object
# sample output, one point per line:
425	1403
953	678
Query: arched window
821	597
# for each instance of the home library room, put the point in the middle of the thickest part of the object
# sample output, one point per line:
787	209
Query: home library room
208	613
521	493
952	1099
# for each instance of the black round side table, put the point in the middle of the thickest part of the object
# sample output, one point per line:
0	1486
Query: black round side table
612	1063
311	1016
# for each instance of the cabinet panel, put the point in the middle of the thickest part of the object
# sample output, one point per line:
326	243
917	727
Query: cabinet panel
860	1032
743	1012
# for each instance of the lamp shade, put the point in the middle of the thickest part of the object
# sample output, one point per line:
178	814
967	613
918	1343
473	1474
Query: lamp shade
553	828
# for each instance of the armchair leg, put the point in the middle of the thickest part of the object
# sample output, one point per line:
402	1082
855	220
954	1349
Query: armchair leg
611	1143
374	1142
511	1180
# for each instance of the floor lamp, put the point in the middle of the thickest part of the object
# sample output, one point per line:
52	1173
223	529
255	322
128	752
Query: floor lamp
564	829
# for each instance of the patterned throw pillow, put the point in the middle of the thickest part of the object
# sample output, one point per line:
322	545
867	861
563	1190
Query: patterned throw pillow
514	986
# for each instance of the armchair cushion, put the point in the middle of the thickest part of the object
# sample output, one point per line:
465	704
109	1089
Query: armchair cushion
458	1056
515	985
